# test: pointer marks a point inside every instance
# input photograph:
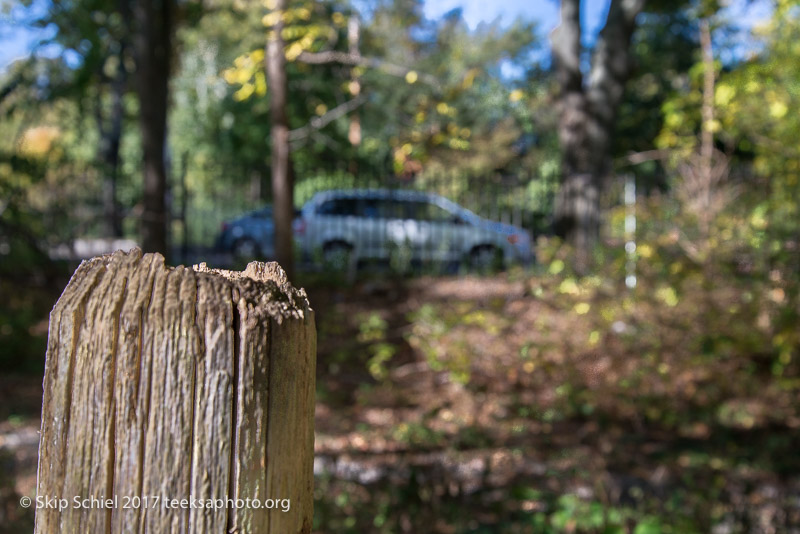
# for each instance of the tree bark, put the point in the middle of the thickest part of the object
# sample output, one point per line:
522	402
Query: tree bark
175	383
707	131
282	178
154	20
587	115
353	38
111	135
110	127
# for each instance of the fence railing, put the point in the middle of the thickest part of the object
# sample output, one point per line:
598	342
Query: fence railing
206	203
372	227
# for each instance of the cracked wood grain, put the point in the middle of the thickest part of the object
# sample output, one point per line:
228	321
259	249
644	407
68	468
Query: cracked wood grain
178	383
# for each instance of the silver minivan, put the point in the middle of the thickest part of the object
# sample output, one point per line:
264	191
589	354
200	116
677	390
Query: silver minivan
347	226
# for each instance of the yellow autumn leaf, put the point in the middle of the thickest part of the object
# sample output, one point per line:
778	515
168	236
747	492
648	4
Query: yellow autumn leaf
37	141
229	75
668	296
594	338
778	109
290	33
261	84
516	95
582	308
307	41
724	94
354	87
556	267
242	76
271	19
244	93
469	78
257	55
458	144
569	287
293	51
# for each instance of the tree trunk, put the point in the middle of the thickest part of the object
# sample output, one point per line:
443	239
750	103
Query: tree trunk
587	115
707	130
111	136
282	178
164	384
154	42
353	38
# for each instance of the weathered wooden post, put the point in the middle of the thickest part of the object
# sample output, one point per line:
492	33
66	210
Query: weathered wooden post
177	400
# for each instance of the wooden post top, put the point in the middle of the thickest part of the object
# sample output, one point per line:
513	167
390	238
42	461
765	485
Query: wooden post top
169	389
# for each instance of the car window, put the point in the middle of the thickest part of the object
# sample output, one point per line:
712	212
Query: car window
338	206
370	208
380	208
426	211
391	209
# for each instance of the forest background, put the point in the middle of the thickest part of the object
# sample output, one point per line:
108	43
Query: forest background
635	379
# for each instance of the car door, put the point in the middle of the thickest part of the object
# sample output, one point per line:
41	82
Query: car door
443	231
398	235
372	227
335	221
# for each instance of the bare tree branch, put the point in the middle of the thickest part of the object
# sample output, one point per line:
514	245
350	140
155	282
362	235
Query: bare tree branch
323	120
706	131
566	42
348	58
611	59
635	158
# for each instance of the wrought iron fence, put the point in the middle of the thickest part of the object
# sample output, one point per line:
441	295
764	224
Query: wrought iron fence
444	221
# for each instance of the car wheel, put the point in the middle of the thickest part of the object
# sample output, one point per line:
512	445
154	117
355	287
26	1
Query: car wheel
485	258
337	256
246	249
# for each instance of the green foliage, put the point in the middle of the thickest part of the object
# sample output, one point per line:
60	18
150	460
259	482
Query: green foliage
314	184
434	97
418	435
430	334
703	296
373	333
664	49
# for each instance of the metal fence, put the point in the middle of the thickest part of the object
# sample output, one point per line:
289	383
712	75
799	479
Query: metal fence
398	220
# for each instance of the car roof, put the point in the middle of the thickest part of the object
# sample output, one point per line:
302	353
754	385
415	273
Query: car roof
397	194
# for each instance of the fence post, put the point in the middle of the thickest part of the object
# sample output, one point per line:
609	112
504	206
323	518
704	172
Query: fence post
176	398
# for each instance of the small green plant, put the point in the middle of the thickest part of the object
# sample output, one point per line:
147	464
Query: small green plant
372	331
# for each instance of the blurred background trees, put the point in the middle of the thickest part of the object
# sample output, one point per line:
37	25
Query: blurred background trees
158	120
154	123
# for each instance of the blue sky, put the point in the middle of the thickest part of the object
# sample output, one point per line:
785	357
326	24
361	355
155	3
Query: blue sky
16	40
545	12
